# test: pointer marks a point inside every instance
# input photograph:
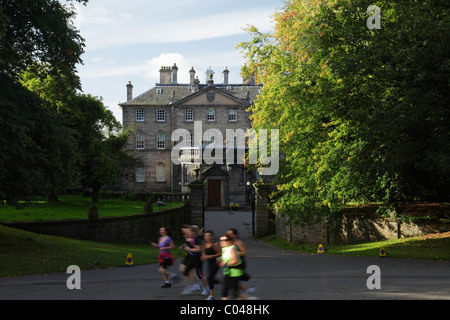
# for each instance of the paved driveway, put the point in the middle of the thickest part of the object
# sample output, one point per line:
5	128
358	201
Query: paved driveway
277	274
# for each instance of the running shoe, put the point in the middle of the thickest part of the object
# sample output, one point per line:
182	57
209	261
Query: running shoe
251	291
205	291
187	291
173	276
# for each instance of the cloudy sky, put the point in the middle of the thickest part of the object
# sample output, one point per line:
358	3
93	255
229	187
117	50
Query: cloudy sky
131	40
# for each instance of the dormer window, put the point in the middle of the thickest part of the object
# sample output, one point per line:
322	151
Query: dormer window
159	90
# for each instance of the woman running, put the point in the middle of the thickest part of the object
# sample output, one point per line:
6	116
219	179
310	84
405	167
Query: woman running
230	262
194	248
210	254
165	258
234	235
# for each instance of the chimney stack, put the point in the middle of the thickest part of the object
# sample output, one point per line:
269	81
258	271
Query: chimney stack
174	73
225	75
165	75
196	84
129	91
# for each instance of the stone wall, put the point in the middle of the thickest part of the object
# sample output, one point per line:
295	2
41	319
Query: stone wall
357	228
140	228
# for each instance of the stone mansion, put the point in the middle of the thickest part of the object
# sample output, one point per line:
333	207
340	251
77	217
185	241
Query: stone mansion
170	105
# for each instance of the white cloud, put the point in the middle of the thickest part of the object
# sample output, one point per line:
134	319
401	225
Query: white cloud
153	65
149	69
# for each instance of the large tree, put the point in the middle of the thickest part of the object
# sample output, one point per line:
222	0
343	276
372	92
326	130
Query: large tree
33	142
363	113
35	139
61	149
37	31
101	145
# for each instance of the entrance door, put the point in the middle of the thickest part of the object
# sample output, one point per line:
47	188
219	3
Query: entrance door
214	193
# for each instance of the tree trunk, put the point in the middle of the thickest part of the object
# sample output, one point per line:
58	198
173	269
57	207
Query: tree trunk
53	197
96	187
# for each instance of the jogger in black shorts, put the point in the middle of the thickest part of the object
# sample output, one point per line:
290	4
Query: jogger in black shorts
210	254
194	248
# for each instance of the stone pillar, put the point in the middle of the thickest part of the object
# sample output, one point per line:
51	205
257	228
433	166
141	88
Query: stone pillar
262	215
197	203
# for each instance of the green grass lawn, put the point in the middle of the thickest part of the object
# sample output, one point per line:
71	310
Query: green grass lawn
23	252
74	207
437	248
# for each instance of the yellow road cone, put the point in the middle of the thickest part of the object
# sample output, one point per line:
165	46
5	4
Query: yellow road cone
320	249
129	261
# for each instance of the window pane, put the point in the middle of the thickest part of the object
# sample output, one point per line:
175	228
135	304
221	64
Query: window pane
140	115
232	115
140	141
185	174
189	115
161	173
189	141
140	175
210	138
211	115
160	143
160	115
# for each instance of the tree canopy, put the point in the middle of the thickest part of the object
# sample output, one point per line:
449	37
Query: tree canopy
363	113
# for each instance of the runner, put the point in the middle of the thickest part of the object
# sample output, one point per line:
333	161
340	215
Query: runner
210	254
234	235
194	248
184	232
182	266
231	263
165	258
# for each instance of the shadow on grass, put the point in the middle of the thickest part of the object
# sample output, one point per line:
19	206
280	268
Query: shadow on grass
411	248
23	252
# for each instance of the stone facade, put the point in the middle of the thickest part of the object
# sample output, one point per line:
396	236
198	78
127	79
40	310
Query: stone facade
157	113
